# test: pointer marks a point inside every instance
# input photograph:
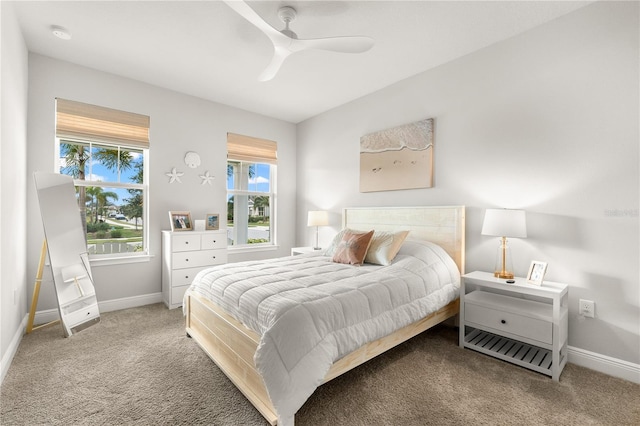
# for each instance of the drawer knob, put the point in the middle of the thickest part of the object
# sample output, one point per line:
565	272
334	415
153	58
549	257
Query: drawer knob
186	276
186	260
214	241
503	321
186	242
214	257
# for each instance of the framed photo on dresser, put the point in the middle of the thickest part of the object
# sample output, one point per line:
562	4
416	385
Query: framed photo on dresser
212	222
181	221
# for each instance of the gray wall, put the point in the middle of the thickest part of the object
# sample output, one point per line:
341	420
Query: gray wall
179	124
547	122
13	182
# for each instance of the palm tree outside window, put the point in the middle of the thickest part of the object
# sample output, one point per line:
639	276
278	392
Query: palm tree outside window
251	195
106	151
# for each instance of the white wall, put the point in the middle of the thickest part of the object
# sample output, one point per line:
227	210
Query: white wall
13	125
547	122
179	124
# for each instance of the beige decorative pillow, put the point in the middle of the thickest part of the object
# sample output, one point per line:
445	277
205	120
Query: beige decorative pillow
353	248
384	247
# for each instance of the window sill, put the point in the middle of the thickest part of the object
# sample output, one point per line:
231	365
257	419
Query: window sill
119	260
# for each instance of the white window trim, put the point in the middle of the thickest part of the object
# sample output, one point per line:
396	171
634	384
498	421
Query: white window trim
273	244
105	259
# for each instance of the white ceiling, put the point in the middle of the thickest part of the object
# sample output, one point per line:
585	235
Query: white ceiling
205	49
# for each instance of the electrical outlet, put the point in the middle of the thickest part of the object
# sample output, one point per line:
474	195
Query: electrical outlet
587	308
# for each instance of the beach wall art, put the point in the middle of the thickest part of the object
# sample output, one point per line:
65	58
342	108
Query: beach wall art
397	158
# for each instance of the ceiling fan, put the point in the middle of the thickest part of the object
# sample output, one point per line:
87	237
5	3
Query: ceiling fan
286	42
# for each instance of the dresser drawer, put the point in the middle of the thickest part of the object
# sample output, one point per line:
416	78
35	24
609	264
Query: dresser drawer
213	240
177	295
185	242
193	259
517	325
180	277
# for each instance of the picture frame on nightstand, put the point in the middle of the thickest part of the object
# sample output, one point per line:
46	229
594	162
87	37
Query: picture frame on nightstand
181	221
536	272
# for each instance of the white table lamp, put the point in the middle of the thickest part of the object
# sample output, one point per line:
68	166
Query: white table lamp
317	218
504	223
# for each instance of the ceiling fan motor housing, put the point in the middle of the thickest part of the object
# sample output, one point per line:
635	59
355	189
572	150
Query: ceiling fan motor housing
287	14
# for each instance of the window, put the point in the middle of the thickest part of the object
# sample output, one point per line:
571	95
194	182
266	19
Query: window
251	195
106	152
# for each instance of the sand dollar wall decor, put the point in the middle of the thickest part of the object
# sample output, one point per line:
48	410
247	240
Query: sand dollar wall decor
192	159
397	158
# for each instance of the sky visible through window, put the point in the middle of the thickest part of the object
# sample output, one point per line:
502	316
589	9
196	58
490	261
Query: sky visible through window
259	182
101	173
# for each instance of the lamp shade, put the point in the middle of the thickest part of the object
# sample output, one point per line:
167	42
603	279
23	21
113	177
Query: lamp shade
505	223
318	218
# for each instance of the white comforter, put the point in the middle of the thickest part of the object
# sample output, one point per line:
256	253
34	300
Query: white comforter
311	311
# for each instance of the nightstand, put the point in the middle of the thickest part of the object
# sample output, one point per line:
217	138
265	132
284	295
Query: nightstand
303	250
521	323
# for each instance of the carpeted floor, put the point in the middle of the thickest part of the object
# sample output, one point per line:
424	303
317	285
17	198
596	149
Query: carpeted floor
137	367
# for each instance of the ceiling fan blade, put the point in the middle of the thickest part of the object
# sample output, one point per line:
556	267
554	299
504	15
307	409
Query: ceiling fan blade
250	15
279	56
346	44
285	42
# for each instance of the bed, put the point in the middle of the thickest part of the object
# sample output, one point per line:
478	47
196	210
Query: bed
252	355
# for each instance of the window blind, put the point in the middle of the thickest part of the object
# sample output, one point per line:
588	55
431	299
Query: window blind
77	120
249	149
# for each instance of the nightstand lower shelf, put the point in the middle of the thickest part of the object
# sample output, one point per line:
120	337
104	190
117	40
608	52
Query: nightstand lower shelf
513	351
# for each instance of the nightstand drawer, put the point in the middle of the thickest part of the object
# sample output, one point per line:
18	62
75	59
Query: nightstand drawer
193	259
517	325
185	242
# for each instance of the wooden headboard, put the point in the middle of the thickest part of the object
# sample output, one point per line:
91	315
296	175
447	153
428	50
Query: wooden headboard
441	225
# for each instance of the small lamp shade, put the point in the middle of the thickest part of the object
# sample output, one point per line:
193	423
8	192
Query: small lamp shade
504	223
318	218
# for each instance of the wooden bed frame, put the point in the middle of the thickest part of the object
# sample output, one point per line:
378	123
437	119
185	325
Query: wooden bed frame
232	346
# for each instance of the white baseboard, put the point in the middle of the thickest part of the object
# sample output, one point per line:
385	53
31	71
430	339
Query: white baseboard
43	317
130	302
5	362
604	364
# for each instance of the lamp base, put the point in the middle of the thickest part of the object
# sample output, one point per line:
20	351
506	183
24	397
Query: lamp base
503	274
317	248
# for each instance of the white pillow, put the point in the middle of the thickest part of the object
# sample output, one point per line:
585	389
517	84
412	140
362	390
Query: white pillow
384	247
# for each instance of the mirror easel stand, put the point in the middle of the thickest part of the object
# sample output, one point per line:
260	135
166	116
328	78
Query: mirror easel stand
36	293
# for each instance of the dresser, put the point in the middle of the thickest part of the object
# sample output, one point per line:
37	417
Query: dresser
517	322
184	254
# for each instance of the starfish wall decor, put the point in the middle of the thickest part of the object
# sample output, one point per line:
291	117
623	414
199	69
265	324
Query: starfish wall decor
174	175
207	178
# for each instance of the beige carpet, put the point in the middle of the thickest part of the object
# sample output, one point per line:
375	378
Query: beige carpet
137	367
